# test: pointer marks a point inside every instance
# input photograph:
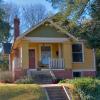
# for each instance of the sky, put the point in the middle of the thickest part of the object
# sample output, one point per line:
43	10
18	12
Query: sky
25	2
48	6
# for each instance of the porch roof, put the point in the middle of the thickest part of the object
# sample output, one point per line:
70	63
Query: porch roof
46	40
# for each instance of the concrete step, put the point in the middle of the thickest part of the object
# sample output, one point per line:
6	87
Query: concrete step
41	77
56	93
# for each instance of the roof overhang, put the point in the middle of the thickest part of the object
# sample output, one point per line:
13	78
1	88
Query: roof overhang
46	39
53	24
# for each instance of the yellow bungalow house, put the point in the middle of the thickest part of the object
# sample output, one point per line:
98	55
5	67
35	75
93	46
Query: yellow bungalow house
50	47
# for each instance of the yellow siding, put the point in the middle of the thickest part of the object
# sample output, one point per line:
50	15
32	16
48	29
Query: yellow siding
54	50
88	60
67	55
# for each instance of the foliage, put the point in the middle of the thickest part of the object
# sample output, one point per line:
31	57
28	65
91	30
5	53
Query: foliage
25	80
21	92
95	9
4	64
90	30
88	88
75	8
98	59
6	76
4	26
4	31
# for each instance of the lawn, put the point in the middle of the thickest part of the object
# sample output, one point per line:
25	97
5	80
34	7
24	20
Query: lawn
21	92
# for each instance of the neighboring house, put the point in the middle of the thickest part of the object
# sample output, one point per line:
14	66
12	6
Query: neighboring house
6	52
50	46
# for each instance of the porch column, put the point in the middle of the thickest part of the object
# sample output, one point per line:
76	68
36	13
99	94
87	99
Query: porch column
25	55
60	51
9	62
67	54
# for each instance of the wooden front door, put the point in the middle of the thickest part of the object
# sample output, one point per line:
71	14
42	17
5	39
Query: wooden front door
32	58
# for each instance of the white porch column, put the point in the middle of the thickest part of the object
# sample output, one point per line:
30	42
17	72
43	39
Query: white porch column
59	51
25	55
9	63
67	54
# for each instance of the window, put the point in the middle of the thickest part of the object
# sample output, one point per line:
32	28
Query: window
76	74
45	54
77	53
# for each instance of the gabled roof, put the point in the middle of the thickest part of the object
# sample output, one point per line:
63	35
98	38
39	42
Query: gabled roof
52	23
7	48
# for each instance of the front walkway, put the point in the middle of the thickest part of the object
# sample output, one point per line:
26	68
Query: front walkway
56	92
53	91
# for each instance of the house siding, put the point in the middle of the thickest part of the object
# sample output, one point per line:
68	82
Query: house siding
46	31
88	61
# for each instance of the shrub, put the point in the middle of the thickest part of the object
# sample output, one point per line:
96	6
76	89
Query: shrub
25	80
4	65
6	76
87	88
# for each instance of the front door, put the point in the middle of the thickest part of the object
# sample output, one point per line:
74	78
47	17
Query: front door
32	58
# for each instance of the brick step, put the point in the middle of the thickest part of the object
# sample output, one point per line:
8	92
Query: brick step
56	93
42	78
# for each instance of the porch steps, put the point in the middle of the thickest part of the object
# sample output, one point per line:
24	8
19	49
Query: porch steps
56	93
41	77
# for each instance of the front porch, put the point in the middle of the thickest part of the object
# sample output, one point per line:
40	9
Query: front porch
45	54
49	55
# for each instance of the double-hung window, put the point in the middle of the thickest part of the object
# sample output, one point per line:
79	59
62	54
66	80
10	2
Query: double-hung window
77	53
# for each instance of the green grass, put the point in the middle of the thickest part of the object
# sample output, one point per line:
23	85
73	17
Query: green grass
21	92
87	88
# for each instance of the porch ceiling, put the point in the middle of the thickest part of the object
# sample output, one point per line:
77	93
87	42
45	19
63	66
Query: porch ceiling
45	39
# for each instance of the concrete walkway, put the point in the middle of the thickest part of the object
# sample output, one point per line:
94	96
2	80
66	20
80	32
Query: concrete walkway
56	92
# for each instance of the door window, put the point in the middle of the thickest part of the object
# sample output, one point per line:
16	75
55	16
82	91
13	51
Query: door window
45	54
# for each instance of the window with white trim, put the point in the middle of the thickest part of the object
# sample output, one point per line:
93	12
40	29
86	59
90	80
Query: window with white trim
77	53
45	54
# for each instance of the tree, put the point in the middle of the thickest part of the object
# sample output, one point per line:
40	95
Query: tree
90	31
11	11
34	14
70	8
4	26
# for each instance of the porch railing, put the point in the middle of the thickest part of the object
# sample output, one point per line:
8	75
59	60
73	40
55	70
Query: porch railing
57	63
